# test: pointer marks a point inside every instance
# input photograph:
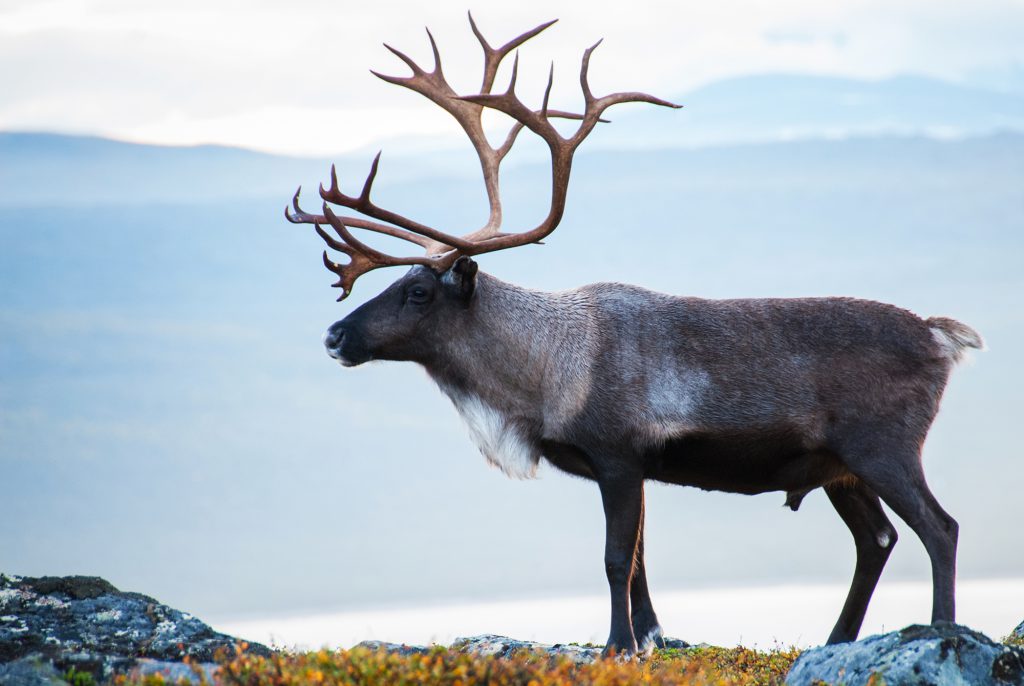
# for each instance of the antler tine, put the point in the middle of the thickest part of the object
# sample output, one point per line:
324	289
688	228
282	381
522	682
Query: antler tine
437	54
594	107
349	272
588	96
494	56
299	216
368	184
333	242
515	75
547	91
409	62
364	205
510	138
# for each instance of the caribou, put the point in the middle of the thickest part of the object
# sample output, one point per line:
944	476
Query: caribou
620	385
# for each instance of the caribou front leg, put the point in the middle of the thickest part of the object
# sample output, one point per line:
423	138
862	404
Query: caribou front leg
623	499
646	629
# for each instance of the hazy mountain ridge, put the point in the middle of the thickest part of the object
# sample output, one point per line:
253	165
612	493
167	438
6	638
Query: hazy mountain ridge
36	167
773	107
44	169
752	109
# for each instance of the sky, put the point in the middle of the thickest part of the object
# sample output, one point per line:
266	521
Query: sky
293	77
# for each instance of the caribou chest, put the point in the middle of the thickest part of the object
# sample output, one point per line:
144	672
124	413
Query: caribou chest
499	439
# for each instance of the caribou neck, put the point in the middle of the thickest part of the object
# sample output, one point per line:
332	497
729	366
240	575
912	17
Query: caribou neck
516	349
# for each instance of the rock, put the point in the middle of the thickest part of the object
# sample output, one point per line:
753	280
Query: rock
174	672
677	644
400	648
502	646
1018	633
30	671
946	654
86	623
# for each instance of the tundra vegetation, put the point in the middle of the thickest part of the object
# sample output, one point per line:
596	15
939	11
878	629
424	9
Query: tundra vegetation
441	666
697	666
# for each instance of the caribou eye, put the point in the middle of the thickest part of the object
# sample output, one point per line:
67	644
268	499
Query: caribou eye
418	293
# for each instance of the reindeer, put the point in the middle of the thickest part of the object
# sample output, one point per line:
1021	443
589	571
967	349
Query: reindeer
619	385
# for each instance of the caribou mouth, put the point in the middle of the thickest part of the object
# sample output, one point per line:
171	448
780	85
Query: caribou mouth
336	354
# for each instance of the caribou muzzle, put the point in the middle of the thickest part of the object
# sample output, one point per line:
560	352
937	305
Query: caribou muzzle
339	346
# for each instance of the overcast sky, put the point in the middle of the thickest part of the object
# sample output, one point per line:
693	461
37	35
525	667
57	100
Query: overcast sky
293	77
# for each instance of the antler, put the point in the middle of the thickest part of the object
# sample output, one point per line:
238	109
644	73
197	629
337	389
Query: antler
443	249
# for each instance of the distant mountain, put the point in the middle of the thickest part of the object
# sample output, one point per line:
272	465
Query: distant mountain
36	168
750	109
785	107
46	167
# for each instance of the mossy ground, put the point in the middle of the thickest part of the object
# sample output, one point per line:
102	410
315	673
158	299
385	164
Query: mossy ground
441	667
1014	640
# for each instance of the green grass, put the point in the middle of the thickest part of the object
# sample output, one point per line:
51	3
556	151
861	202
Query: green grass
78	678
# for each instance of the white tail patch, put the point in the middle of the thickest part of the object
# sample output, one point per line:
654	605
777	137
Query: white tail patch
498	439
954	337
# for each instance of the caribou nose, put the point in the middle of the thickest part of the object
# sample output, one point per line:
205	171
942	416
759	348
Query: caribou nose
332	340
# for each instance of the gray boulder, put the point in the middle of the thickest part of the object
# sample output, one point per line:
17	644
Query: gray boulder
400	648
86	624
30	671
502	646
946	654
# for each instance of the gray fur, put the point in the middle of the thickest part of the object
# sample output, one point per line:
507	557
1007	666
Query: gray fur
606	361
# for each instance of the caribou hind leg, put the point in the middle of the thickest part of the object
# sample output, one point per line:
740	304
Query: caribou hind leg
646	628
874	537
896	475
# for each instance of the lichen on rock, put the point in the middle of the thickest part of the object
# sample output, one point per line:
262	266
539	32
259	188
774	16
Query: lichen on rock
88	624
944	653
502	646
1018	633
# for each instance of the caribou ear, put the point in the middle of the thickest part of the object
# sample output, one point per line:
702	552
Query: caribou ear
462	276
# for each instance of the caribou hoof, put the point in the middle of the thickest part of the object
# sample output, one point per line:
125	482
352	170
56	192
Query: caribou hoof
653	638
619	648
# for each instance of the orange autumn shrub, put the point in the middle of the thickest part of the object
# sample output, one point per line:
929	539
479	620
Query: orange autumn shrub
442	667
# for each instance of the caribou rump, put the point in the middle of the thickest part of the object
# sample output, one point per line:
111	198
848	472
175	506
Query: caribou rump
618	384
